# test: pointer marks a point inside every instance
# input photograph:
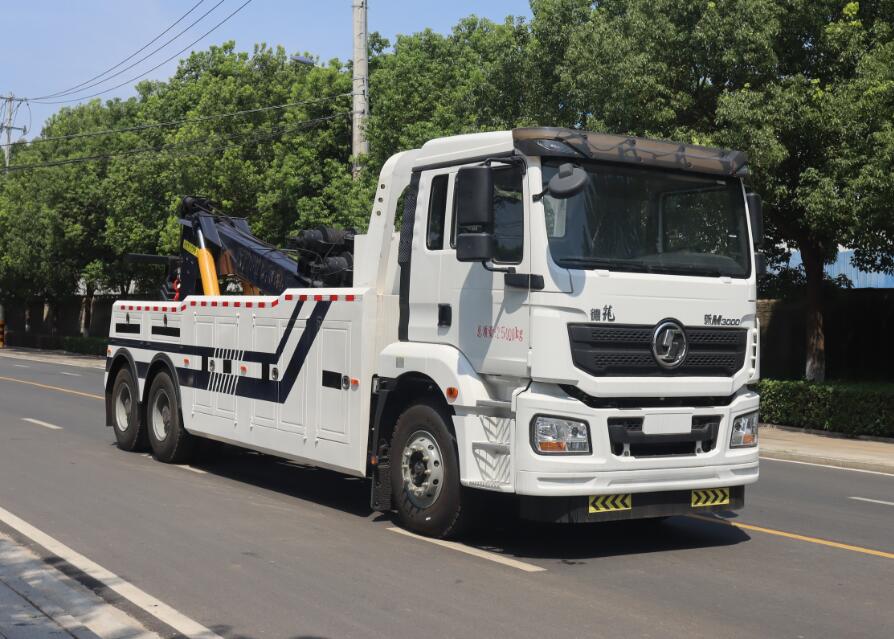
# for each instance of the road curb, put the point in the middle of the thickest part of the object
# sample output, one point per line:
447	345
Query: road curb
785	455
54	357
828	433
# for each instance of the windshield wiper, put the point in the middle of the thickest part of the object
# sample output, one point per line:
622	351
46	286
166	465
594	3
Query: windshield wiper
597	262
640	267
689	269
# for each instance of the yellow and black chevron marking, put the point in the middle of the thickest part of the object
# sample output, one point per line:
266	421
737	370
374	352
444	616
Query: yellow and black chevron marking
608	503
710	497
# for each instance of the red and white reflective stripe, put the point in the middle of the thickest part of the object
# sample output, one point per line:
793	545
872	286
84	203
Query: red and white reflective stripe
267	303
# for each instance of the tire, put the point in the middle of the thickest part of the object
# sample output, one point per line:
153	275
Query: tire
130	432
170	442
431	503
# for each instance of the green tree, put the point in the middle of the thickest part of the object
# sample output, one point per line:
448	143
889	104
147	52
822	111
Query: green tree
804	86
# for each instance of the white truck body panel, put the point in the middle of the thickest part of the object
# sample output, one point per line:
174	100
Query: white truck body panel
294	375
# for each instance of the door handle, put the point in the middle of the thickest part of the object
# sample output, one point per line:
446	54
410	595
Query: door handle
445	315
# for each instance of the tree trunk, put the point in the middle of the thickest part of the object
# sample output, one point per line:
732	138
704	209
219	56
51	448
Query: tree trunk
87	313
815	366
49	317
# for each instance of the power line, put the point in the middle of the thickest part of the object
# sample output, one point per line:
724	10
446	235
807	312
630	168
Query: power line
162	63
138	51
155	125
131	66
130	152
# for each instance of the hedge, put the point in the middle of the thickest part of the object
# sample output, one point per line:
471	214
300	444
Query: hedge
85	345
849	408
72	344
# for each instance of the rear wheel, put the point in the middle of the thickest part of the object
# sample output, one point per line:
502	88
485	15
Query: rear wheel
130	433
425	473
170	441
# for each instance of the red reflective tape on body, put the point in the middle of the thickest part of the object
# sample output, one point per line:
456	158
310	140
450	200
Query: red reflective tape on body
274	303
213	303
225	304
333	298
203	303
237	304
288	298
248	304
318	298
261	304
303	298
349	298
192	303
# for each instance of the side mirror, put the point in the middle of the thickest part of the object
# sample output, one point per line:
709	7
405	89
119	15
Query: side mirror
474	214
756	213
568	182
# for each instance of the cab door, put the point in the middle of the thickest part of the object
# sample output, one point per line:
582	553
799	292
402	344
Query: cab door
465	304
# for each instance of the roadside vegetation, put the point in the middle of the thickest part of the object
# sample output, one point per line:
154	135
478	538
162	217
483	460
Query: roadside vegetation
806	87
842	407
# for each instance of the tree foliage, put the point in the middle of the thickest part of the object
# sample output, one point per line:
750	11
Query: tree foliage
806	87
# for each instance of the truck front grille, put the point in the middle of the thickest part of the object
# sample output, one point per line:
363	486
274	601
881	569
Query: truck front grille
628	439
626	350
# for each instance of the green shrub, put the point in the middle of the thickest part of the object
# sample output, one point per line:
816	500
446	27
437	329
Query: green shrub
850	408
85	345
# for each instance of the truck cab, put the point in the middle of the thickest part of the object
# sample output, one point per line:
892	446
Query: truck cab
601	291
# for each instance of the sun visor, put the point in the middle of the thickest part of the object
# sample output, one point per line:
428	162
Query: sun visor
623	149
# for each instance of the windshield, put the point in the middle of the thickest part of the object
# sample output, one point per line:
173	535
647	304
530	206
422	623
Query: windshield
636	219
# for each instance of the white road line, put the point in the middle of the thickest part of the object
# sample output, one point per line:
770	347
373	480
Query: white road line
41	423
475	552
143	600
873	501
853	470
21	366
70	374
198	471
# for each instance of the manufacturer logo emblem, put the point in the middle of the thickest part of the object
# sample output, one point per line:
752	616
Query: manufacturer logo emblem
669	344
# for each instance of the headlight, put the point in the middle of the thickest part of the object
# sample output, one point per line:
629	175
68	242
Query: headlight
744	431
558	436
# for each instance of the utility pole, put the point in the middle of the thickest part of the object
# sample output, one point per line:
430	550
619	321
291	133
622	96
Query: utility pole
361	84
7	127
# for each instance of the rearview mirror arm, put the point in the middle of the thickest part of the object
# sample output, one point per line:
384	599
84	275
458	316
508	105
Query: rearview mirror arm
489	266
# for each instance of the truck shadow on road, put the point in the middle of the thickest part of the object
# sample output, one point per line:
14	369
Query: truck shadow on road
498	530
574	543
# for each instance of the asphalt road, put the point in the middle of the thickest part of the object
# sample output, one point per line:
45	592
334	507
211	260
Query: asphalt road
251	546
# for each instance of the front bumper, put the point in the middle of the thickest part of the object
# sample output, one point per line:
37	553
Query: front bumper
642	506
603	472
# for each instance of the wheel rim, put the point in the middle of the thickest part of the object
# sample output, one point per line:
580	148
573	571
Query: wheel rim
161	415
123	404
422	469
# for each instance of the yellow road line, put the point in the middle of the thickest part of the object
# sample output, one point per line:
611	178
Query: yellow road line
55	388
797	537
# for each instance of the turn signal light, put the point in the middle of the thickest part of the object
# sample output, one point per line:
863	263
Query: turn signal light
452	393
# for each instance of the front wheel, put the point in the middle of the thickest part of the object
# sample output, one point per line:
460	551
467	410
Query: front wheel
425	473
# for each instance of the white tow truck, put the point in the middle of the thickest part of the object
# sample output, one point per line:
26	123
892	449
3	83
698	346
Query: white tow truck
565	316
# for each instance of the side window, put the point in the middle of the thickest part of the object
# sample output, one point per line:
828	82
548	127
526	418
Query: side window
509	215
437	212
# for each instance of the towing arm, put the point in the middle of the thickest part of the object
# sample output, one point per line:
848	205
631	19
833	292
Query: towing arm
213	244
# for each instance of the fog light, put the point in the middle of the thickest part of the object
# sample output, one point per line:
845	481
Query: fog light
744	431
559	436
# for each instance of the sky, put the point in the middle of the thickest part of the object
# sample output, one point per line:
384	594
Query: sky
50	45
